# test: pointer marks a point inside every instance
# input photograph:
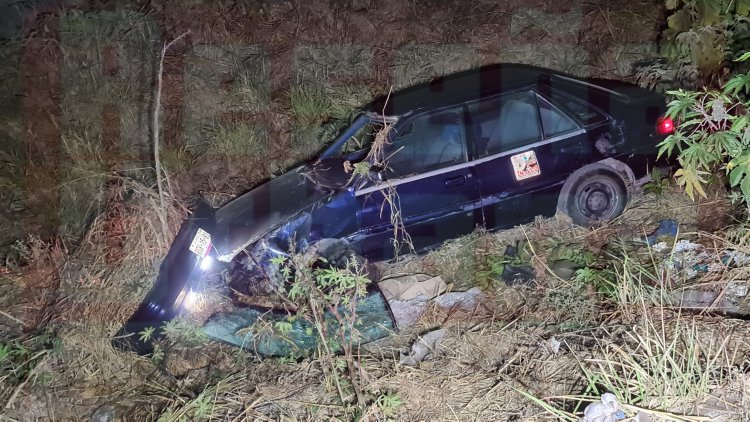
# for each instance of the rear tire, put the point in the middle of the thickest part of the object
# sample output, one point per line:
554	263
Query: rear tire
595	195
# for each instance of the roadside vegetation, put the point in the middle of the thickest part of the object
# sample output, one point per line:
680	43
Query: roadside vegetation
660	322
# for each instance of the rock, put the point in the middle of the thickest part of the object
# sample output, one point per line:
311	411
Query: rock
181	361
699	299
563	268
107	413
467	300
408	312
423	347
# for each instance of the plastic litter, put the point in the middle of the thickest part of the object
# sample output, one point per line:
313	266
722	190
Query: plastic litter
518	275
738	289
423	347
692	259
552	345
667	228
607	409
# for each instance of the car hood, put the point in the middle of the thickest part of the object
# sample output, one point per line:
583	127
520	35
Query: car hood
249	217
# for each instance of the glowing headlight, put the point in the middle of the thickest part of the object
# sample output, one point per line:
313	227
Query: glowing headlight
190	299
207	262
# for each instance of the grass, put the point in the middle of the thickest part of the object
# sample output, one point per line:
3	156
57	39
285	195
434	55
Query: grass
324	63
553	24
234	142
563	57
250	91
660	364
308	139
310	104
220	79
82	184
420	63
480	371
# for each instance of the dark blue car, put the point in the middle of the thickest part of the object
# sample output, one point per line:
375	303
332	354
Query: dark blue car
492	147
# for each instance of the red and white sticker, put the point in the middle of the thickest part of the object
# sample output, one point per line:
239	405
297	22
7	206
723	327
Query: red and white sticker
525	165
201	243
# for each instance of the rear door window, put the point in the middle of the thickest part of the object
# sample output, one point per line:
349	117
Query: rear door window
554	121
505	123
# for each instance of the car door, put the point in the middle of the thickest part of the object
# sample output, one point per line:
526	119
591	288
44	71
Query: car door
525	147
430	187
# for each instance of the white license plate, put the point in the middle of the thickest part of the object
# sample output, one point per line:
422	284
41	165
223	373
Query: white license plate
201	243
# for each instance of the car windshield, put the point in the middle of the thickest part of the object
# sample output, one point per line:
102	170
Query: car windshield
333	169
355	142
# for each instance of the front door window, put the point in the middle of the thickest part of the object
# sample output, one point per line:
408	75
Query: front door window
428	142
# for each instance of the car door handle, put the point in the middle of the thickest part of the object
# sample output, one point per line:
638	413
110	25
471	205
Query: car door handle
455	181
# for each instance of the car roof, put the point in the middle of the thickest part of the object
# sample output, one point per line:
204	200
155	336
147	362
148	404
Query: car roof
461	87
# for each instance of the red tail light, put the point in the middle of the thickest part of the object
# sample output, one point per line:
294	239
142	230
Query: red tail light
665	126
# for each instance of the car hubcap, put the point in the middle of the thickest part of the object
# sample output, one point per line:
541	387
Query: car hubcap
597	200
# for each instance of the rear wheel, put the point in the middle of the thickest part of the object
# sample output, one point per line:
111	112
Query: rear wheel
595	195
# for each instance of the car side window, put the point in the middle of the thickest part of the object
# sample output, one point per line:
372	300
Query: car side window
583	111
554	121
504	123
428	142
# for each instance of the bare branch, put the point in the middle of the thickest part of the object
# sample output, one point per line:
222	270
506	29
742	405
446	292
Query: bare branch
156	129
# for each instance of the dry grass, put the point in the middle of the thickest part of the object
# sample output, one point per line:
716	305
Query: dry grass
421	63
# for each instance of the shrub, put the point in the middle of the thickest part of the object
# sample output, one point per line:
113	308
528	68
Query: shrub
712	134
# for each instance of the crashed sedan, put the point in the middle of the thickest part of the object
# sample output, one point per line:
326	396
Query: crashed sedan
492	147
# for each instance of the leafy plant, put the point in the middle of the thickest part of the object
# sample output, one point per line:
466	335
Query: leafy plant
705	32
183	331
146	334
701	39
658	184
158	354
19	359
495	268
713	134
586	275
318	288
577	255
389	403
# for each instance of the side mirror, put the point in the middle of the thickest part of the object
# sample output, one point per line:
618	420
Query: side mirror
377	174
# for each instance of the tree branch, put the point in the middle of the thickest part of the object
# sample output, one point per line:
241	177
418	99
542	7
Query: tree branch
157	158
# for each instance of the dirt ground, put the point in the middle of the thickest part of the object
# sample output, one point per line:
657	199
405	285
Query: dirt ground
238	108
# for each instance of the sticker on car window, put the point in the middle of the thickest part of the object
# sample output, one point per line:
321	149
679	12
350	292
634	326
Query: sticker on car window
525	165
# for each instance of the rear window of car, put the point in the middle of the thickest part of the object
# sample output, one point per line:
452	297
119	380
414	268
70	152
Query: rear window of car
586	113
